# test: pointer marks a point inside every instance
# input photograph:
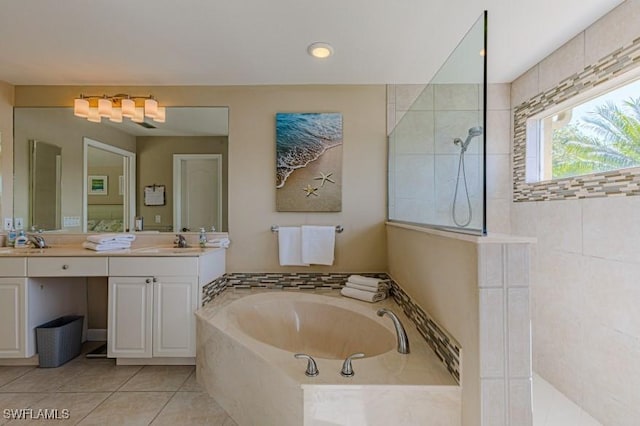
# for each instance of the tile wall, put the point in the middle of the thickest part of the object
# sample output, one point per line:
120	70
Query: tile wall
585	291
424	152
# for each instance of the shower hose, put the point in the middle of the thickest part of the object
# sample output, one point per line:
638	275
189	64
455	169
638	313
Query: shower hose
461	168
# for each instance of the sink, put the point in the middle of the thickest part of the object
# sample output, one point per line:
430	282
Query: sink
168	250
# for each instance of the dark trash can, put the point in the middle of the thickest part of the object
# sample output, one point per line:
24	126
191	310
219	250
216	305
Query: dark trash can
59	340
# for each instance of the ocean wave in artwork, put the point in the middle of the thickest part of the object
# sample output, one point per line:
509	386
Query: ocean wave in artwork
302	138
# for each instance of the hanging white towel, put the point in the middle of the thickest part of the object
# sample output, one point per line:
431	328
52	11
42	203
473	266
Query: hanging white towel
366	296
318	243
290	246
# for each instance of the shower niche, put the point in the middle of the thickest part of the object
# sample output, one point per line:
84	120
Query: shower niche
437	148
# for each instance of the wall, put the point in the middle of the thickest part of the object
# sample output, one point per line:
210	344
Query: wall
361	247
155	166
69	134
586	323
6	148
452	118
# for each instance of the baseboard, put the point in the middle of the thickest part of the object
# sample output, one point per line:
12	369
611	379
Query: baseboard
156	361
12	362
97	335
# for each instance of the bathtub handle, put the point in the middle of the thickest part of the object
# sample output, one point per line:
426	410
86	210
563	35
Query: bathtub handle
347	371
312	368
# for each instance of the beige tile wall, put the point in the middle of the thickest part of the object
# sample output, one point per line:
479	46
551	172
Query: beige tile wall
584	296
440	113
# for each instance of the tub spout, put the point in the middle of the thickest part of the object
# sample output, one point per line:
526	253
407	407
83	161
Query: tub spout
312	368
403	340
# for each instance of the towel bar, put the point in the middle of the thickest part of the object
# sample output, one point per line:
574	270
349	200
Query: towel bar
339	228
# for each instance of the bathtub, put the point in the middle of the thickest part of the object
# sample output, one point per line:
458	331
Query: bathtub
245	346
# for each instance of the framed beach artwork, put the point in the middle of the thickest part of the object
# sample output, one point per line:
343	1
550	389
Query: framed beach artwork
308	162
97	185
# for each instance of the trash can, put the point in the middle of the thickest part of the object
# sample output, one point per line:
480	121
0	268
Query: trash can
60	340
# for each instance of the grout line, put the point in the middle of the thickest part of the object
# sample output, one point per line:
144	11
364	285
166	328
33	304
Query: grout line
96	407
129	379
163	407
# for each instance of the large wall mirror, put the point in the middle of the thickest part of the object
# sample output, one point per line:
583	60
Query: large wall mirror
98	177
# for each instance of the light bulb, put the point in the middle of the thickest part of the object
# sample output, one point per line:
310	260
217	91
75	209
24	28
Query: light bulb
116	115
81	107
94	116
104	107
139	115
161	116
150	107
320	50
128	107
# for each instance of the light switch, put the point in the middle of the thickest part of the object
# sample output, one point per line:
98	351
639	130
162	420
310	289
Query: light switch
8	223
158	218
18	223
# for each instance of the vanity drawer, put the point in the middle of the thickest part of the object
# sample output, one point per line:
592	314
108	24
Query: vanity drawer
153	266
68	267
13	267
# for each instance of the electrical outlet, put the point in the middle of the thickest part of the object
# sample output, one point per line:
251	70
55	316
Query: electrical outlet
8	223
18	223
158	218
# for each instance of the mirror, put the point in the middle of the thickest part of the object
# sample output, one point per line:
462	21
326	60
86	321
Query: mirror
106	170
44	185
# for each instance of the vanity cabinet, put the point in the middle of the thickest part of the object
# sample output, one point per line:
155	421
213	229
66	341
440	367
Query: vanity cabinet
13	317
152	315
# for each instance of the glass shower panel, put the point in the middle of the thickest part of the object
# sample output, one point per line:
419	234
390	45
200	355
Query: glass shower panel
437	149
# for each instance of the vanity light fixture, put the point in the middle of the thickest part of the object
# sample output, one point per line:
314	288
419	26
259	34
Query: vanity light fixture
115	107
320	50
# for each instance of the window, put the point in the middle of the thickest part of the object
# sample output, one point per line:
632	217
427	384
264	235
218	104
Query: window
596	133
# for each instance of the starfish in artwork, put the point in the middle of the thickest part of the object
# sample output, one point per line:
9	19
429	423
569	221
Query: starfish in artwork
310	190
324	178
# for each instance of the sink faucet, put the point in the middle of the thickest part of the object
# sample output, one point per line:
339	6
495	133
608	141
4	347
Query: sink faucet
38	241
403	340
180	241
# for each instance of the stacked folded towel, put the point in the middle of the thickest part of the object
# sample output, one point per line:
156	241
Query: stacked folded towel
218	243
106	242
365	288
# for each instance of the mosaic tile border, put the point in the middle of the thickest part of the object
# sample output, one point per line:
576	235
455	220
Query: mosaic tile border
615	183
440	341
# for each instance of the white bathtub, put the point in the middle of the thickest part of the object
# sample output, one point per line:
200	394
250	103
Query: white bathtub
245	347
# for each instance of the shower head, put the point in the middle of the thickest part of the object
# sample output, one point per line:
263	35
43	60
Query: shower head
473	132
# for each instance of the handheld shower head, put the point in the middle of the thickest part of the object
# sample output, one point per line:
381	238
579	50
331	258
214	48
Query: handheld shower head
473	132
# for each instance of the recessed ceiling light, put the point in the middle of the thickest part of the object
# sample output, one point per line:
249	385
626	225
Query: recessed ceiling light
320	50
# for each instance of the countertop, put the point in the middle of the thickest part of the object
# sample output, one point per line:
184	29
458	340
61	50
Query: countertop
76	251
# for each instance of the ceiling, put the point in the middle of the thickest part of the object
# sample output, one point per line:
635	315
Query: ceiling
247	42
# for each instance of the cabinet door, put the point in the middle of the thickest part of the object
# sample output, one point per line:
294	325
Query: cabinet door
13	317
174	328
129	334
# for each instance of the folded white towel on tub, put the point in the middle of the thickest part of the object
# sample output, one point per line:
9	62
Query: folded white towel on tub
366	296
368	281
110	245
318	244
381	287
290	246
104	238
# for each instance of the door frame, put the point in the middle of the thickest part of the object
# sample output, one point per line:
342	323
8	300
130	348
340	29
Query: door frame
177	184
129	170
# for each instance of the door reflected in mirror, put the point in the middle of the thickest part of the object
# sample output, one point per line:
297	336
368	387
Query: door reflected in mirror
44	186
187	131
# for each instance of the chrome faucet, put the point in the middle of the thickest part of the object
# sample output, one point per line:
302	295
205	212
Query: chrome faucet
180	241
403	340
38	241
347	370
312	368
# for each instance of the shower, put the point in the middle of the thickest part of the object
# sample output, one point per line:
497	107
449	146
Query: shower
473	132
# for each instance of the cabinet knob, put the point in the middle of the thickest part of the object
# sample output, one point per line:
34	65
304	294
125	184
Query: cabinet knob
65	267
155	280
148	280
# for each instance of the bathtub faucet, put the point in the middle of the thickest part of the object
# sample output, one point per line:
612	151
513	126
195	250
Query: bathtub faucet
403	340
312	368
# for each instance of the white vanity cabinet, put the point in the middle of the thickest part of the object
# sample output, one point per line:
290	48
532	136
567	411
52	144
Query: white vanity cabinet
13	307
151	307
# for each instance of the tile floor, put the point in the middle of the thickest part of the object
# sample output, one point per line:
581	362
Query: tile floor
97	392
553	408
